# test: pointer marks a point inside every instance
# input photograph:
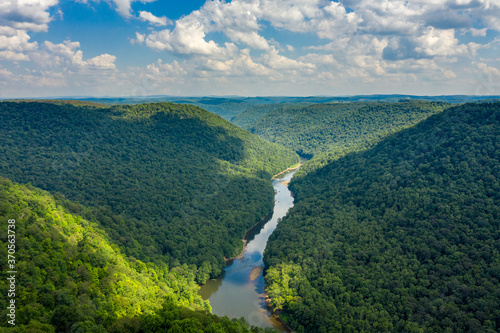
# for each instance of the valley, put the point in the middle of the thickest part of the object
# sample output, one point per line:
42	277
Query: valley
239	291
250	166
125	207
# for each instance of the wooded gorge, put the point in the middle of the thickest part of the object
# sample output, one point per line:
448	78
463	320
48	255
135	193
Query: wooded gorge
172	187
401	237
123	209
336	127
73	279
169	183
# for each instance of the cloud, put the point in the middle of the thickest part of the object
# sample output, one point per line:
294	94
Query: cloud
448	19
16	19
5	73
103	61
241	65
387	17
165	69
265	45
402	48
240	21
139	38
276	61
488	71
364	40
430	43
315	58
13	56
27	15
15	40
252	38
187	38
124	7
487	79
434	42
67	54
478	32
14	44
148	17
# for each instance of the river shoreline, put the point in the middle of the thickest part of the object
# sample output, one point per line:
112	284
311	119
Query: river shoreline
264	220
245	239
275	313
240	290
287	170
267	299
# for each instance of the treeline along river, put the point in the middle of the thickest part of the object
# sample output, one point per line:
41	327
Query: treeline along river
239	291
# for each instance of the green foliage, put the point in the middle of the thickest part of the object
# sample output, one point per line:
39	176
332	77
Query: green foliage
402	237
70	277
169	183
246	118
335	128
182	320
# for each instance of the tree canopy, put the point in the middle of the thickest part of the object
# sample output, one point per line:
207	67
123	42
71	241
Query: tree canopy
333	127
169	183
404	236
71	278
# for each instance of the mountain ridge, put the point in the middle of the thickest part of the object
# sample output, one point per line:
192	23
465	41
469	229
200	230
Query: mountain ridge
403	236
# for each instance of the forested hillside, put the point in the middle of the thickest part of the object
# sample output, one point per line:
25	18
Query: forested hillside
70	278
334	128
169	183
246	118
224	107
402	237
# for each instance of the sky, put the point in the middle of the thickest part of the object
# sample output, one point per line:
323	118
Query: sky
56	48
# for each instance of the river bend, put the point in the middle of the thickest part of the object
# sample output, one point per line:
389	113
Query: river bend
239	291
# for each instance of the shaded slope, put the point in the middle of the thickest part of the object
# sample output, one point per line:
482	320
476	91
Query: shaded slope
170	183
246	118
69	273
70	278
402	237
334	128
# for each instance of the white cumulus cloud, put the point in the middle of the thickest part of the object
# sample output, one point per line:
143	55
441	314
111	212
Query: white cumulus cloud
160	21
188	37
434	42
68	54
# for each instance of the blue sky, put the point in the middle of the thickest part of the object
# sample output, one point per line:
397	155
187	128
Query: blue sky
248	47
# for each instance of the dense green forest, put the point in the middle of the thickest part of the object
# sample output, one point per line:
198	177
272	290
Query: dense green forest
400	234
72	279
401	237
246	118
334	128
169	183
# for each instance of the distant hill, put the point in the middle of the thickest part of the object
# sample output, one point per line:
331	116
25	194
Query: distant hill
226	107
246	118
338	127
403	237
230	107
169	183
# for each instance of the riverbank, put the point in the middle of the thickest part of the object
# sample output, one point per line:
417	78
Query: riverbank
275	313
256	227
240	290
293	167
250	232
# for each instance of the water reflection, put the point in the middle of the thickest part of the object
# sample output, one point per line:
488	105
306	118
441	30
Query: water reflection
239	293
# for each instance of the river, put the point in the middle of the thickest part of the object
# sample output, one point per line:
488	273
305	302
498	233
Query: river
239	291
